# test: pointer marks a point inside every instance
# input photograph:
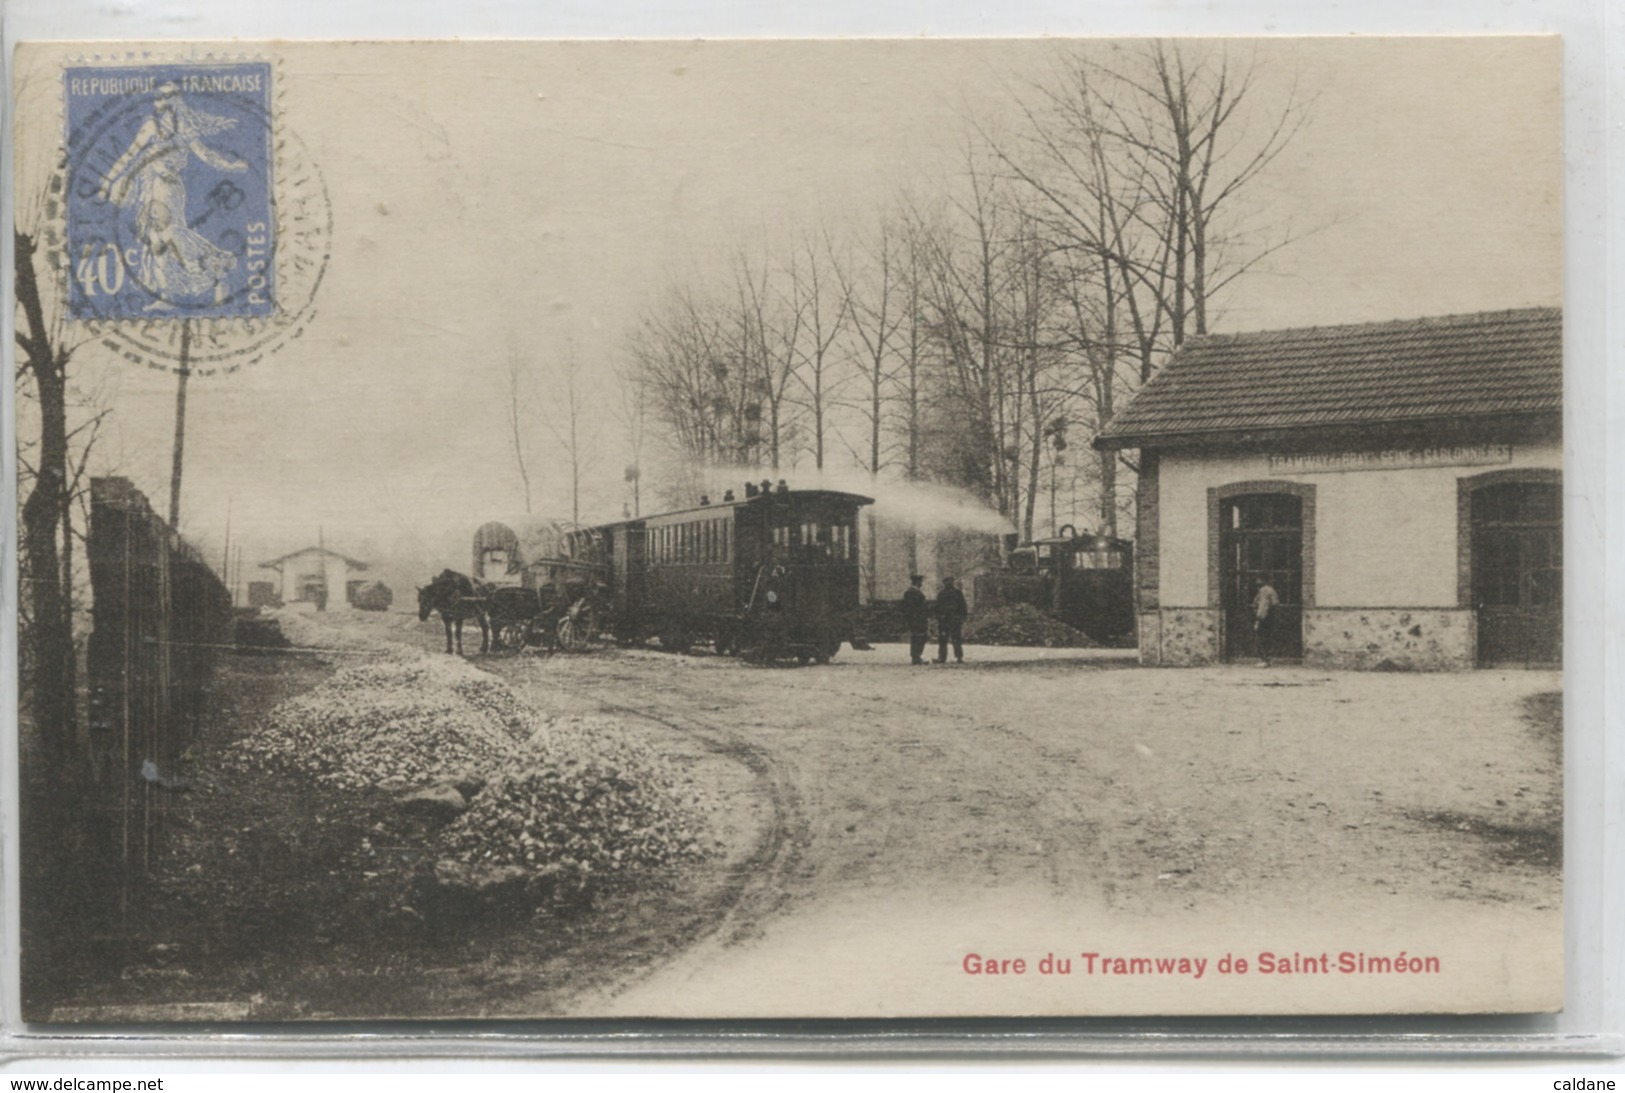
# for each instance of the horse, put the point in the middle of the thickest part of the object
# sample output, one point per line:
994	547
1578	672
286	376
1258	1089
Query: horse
457	598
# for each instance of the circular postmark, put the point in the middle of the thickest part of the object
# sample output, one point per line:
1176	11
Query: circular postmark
197	230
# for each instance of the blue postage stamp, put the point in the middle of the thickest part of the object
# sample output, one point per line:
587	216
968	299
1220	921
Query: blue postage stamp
170	206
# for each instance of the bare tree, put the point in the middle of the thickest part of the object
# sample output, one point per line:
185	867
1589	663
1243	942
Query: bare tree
1184	140
1137	166
771	321
963	273
1039	328
874	294
46	513
991	313
1141	162
689	356
564	419
818	290
910	374
632	411
515	375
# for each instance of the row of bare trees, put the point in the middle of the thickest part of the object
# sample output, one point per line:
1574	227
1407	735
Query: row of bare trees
972	337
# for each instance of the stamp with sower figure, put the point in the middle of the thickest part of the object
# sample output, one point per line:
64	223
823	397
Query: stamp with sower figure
170	204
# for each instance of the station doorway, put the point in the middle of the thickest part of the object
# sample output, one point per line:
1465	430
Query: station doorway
1517	572
1261	539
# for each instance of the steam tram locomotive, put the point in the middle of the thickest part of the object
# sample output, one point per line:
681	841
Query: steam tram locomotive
771	575
1085	580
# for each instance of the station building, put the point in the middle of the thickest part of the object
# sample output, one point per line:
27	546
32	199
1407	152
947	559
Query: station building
321	578
1399	484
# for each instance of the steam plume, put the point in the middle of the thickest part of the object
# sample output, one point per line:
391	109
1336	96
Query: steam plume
923	506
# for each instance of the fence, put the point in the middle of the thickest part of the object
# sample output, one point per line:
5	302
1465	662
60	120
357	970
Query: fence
160	617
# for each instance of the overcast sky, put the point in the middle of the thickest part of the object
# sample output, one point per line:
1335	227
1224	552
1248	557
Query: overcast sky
494	199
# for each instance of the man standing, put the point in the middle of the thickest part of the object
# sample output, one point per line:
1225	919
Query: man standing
917	614
951	612
1265	601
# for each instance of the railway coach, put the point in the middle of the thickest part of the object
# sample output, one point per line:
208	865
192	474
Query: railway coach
770	575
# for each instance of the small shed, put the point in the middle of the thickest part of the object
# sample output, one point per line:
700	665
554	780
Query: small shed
317	576
1398	484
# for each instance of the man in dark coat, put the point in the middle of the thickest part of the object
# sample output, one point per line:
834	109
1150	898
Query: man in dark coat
951	612
917	614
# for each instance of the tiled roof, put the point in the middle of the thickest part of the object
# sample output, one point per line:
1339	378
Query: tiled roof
276	563
1489	363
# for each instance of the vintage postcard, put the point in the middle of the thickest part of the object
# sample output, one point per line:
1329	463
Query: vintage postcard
741	529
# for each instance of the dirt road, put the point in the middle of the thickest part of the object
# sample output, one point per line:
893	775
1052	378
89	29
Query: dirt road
897	820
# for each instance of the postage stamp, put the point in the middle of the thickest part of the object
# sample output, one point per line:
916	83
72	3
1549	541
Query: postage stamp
170	191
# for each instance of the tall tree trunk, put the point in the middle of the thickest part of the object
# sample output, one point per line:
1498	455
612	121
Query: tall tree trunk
44	515
913	393
56	896
1108	493
1106	401
1035	446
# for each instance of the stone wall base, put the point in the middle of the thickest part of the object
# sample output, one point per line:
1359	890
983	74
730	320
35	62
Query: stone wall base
1179	637
1413	639
1407	639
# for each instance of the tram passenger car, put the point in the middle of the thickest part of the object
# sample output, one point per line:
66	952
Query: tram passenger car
771	575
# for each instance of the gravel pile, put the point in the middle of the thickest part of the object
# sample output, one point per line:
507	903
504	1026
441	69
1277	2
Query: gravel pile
1024	624
395	721
586	798
575	794
304	631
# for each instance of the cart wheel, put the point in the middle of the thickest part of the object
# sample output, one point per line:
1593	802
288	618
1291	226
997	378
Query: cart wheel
511	636
569	637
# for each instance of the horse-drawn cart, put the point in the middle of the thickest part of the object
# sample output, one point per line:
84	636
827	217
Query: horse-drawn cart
558	608
544	589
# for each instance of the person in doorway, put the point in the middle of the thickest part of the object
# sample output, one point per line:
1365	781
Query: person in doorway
1265	611
917	615
951	612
